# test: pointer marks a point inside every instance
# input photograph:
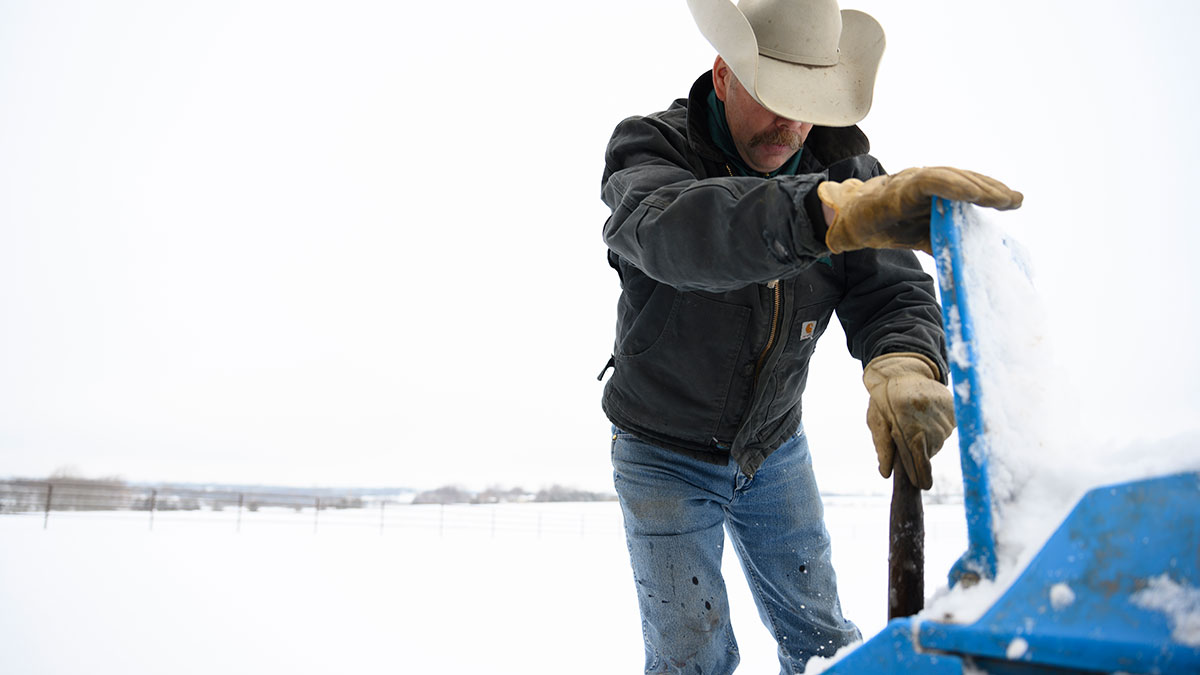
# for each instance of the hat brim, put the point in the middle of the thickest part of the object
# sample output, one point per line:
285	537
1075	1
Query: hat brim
836	96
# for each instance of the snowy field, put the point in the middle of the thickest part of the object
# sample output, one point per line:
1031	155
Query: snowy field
518	588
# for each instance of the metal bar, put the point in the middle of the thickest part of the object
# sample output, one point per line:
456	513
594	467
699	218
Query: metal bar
979	561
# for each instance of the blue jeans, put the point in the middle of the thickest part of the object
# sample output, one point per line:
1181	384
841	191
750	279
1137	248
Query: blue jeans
676	510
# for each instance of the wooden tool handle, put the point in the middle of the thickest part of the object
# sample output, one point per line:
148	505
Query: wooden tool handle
906	548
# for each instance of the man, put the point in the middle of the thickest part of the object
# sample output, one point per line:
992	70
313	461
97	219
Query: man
740	223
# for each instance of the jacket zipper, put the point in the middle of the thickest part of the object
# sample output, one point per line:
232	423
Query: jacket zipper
775	304
776	307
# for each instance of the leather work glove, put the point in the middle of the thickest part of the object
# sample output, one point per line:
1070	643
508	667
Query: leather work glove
911	413
893	211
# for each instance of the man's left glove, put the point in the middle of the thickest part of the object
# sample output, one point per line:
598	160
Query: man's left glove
911	413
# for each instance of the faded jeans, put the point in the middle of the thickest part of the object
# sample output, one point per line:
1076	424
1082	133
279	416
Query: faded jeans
676	512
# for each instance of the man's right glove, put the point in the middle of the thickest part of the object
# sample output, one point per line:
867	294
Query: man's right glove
893	211
911	413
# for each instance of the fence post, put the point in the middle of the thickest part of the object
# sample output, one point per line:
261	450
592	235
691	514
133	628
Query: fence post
317	515
241	498
153	505
382	504
49	496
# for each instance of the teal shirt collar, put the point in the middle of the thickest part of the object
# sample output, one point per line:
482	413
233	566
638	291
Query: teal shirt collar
718	130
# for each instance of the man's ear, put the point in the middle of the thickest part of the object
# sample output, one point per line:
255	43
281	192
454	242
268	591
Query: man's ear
721	77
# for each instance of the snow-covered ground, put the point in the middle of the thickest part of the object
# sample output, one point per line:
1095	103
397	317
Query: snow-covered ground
517	588
528	588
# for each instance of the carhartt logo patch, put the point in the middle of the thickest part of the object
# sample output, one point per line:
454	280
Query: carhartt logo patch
808	330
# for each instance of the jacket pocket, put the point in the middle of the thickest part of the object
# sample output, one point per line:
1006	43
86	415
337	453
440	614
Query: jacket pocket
651	321
684	374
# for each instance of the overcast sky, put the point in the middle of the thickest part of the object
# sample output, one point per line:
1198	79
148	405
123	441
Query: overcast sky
325	243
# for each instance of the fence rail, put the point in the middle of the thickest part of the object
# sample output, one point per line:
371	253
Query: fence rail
238	509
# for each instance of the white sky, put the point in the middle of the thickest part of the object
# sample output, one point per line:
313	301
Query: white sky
359	242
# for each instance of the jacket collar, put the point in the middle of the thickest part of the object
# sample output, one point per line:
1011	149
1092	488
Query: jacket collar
718	132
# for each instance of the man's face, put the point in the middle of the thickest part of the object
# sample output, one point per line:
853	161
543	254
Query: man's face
763	139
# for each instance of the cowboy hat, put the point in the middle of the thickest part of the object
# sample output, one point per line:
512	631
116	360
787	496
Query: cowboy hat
800	59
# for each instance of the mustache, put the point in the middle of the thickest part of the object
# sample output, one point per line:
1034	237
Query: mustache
777	137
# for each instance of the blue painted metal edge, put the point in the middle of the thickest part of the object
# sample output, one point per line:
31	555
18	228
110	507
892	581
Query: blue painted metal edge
1076	604
979	561
893	650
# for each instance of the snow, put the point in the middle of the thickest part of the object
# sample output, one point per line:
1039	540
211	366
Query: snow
963	391
194	595
1180	603
957	348
1016	649
1041	460
1061	596
819	664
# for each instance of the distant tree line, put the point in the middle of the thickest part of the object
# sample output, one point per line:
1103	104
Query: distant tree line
71	492
454	494
66	489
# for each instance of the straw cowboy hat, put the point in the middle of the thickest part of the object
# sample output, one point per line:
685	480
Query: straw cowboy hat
800	59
